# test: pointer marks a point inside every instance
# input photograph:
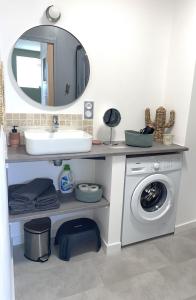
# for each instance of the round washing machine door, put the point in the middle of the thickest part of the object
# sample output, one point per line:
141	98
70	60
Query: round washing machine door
152	199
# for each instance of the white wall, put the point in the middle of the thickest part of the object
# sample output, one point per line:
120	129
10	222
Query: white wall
180	95
187	198
127	42
181	65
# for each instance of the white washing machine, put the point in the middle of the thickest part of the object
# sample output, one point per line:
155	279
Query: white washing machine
150	197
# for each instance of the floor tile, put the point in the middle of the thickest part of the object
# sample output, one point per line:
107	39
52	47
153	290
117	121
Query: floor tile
22	264
182	277
133	260
100	293
191	298
190	233
145	257
114	268
57	282
147	286
176	248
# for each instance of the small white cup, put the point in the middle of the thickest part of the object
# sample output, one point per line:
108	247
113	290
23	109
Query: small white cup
168	139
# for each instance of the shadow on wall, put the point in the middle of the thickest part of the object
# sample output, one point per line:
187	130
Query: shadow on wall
103	133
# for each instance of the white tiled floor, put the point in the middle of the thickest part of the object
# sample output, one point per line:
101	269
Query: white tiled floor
163	268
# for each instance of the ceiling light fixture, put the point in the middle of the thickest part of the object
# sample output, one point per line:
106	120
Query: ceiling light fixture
53	14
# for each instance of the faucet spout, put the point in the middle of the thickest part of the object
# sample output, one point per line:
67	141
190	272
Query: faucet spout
55	123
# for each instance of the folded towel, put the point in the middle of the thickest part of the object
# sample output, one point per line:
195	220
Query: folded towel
14	204
39	194
48	196
19	208
19	200
18	212
54	205
47	200
31	190
18	205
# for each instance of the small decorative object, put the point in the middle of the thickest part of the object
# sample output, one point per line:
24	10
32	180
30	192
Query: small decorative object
96	142
168	139
160	122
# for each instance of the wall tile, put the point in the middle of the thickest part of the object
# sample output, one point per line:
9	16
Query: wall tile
16	116
44	121
23	116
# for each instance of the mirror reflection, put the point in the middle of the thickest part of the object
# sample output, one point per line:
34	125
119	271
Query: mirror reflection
112	117
50	65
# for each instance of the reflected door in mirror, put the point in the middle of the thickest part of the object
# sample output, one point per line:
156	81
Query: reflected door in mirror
50	65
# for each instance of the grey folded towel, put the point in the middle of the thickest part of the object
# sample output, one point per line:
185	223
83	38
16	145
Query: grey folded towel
27	202
16	211
31	190
54	205
48	196
47	200
18	205
19	200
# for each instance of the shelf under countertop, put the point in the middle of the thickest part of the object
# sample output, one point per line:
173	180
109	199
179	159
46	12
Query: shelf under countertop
68	205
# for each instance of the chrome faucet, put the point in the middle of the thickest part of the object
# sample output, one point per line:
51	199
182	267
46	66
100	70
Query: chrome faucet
55	123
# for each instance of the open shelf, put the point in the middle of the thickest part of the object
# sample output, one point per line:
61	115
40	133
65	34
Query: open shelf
68	204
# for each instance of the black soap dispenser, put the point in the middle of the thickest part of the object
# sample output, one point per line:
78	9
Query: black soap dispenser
14	137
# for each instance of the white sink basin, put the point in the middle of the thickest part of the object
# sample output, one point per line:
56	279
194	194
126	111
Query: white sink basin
62	141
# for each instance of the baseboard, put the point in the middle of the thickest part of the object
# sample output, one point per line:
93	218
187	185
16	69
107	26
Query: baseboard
185	226
111	248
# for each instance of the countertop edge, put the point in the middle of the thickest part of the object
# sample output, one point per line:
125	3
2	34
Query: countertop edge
20	155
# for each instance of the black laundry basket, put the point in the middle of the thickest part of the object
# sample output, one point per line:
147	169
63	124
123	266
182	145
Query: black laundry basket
75	234
37	239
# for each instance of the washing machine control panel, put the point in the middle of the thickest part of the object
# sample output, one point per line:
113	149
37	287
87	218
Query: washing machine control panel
153	164
156	166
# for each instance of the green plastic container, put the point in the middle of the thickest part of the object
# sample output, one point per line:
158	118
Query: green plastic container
87	196
136	139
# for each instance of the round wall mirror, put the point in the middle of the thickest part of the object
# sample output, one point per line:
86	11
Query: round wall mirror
50	65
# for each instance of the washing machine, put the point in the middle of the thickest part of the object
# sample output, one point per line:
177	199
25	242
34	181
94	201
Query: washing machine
150	197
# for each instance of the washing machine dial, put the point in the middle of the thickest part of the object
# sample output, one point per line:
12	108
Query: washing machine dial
156	166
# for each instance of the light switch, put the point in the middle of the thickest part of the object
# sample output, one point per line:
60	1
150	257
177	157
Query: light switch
88	109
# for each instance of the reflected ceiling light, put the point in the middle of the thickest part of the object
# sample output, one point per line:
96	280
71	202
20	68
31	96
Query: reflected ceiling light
53	14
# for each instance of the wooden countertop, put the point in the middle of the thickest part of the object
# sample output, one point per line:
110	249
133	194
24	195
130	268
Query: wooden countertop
98	151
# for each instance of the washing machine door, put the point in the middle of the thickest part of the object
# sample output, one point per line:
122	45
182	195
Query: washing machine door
152	199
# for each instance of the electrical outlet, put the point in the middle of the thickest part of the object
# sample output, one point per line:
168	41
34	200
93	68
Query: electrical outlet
88	109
